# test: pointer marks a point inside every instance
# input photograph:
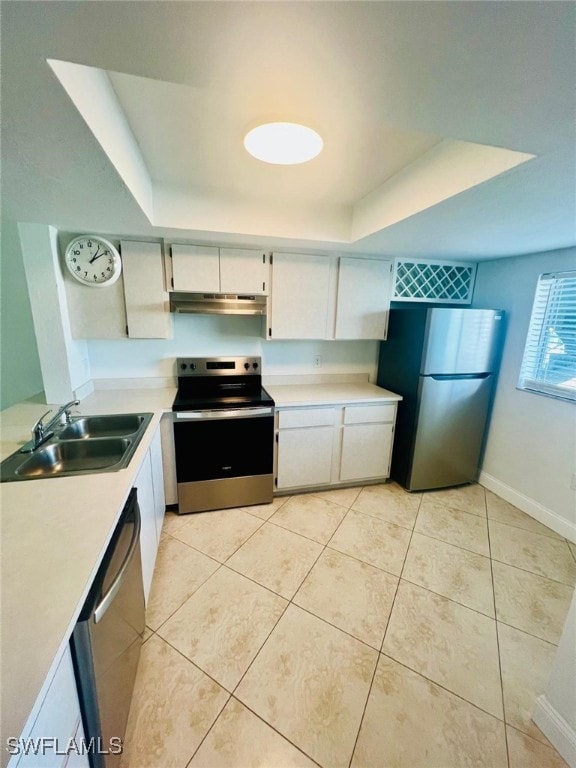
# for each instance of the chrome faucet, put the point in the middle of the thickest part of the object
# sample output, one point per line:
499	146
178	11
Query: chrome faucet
42	432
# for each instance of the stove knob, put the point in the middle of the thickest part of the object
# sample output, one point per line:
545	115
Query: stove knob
183	366
254	365
192	366
246	365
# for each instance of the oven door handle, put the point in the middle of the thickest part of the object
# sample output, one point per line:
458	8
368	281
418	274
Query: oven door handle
238	413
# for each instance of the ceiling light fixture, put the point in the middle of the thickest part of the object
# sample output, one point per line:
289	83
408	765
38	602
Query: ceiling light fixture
283	143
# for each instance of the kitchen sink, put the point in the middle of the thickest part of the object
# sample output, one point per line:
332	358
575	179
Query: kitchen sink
74	456
86	445
115	425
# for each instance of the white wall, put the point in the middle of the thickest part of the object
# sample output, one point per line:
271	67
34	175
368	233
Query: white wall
63	360
203	335
555	711
530	452
20	374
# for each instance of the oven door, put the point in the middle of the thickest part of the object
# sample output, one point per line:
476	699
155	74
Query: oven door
224	458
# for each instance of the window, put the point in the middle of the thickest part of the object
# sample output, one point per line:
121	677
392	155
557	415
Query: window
549	363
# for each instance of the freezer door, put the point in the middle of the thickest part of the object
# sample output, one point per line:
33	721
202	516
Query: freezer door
450	429
461	340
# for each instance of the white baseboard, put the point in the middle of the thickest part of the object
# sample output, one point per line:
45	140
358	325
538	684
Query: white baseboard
533	508
556	729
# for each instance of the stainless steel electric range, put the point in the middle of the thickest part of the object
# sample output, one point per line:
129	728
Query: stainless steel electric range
223	434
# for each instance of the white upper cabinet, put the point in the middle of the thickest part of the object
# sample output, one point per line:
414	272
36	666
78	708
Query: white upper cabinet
207	269
321	297
300	296
243	271
147	310
363	305
196	268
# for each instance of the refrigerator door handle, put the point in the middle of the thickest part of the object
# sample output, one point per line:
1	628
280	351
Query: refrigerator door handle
457	376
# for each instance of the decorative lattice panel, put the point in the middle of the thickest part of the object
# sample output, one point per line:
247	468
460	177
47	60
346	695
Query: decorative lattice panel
437	281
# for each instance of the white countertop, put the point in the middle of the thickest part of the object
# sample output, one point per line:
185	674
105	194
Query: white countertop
286	395
54	533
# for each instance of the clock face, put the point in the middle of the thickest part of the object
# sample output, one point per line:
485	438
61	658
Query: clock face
93	261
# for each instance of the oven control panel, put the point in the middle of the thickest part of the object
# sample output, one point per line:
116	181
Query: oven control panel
218	366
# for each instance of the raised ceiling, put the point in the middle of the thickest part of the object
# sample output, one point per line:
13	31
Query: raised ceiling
449	128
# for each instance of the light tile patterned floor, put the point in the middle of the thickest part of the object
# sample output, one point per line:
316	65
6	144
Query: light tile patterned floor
355	628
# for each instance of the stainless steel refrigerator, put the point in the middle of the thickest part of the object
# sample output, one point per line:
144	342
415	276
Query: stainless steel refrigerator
443	362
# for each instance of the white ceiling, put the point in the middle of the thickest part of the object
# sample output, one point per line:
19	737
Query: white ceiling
146	136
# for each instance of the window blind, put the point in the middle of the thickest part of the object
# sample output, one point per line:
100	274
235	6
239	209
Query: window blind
549	362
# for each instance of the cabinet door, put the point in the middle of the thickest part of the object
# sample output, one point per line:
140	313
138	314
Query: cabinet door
304	456
196	268
300	296
58	717
147	311
168	459
158	482
148	537
243	271
366	451
363	305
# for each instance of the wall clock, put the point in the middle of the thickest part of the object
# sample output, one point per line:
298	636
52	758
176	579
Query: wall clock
93	261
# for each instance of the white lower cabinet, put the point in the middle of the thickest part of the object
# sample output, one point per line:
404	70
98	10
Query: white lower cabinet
158	482
150	485
305	443
334	445
56	728
169	459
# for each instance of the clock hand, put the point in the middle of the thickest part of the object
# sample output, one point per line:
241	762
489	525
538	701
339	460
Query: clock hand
96	256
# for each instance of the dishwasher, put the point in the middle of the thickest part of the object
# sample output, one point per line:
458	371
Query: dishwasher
106	641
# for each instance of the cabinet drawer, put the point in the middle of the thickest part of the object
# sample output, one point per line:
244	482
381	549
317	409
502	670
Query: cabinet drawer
307	417
361	414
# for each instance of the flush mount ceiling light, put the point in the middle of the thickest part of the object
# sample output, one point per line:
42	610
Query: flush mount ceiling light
283	143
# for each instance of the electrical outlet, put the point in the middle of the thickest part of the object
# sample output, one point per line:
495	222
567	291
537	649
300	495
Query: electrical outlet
317	361
573	482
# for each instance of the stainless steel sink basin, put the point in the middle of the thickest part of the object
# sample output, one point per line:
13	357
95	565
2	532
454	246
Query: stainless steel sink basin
115	425
72	456
87	445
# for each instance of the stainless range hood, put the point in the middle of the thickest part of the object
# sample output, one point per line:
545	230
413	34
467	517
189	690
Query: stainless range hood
217	303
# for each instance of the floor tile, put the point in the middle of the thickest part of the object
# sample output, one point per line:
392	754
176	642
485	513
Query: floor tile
317	682
310	516
178	573
265	511
572	548
223	625
525	752
535	604
354	596
172	522
526	665
453	526
466	498
219	533
147	634
173	706
373	541
239	739
504	512
447	643
390	502
276	558
450	571
532	552
413	723
343	496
